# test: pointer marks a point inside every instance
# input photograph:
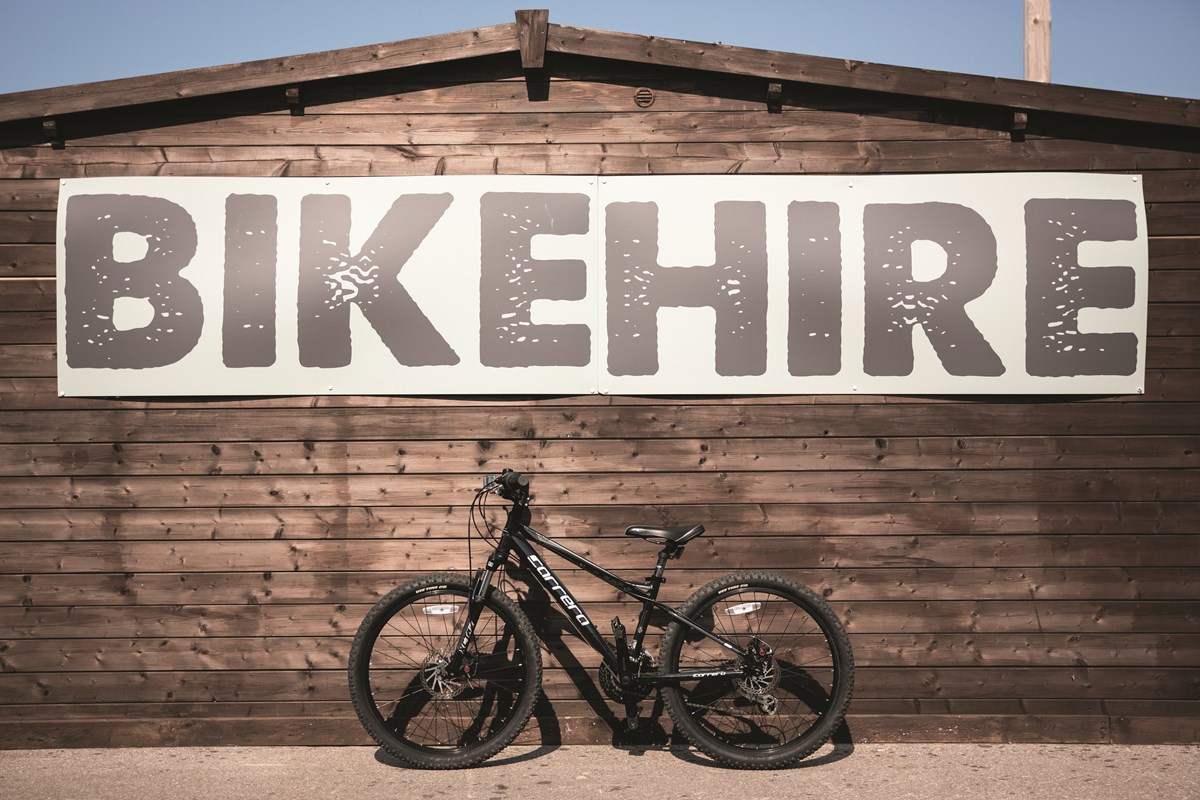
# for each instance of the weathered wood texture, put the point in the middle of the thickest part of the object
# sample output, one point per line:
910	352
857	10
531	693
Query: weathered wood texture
190	570
268	72
532	27
864	75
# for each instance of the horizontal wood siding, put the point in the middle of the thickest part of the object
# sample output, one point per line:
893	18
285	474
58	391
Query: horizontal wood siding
191	570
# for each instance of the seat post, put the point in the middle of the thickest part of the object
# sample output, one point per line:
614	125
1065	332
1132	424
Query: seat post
656	580
669	551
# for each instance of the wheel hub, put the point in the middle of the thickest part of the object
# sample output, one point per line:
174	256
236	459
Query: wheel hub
437	681
762	678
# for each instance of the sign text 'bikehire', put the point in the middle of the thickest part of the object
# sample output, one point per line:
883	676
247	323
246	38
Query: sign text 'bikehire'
937	284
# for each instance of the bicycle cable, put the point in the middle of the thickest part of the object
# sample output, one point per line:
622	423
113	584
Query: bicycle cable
479	507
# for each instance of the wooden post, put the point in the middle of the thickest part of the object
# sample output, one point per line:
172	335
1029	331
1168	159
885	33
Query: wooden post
532	27
1037	40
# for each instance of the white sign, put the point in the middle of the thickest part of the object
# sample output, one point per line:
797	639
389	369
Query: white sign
933	284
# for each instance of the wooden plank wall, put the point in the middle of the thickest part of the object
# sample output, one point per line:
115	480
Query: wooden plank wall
191	570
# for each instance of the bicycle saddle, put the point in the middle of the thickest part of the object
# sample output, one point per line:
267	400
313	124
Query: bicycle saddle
676	536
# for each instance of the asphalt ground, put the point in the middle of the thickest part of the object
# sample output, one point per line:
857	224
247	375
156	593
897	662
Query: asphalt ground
891	771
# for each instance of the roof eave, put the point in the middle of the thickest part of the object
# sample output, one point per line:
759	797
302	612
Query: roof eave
781	66
703	56
257	74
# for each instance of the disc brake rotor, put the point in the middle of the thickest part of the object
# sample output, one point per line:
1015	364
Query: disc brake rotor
762	681
437	682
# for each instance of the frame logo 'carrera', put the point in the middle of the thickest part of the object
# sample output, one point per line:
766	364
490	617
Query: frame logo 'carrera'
554	586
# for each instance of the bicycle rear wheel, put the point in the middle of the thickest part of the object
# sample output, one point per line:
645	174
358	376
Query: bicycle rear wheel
403	694
800	684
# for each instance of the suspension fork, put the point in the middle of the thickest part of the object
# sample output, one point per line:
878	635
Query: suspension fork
480	584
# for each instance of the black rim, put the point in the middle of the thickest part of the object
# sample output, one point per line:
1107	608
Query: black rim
793	685
416	702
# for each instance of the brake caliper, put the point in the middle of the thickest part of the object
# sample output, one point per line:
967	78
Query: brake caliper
762	678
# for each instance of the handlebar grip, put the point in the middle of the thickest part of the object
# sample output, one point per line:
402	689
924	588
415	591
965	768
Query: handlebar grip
507	481
514	480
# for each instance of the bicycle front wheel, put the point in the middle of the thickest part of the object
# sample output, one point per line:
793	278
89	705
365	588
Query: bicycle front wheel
799	679
410	704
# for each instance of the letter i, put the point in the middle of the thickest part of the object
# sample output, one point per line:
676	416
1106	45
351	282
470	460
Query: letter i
251	234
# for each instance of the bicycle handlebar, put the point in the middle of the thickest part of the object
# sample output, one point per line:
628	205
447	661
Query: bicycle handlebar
508	481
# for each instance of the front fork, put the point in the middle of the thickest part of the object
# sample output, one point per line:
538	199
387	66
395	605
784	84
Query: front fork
479	589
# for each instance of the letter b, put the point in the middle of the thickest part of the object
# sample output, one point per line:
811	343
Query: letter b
95	279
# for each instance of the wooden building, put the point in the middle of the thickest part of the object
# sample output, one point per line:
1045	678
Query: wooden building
190	571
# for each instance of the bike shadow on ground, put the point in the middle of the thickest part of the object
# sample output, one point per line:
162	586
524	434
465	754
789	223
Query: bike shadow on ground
840	746
506	758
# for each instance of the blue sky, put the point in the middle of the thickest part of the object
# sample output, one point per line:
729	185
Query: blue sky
1144	46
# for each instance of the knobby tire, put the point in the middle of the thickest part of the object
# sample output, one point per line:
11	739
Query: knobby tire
798	702
426	719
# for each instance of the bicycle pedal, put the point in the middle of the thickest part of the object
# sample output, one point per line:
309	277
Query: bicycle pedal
632	722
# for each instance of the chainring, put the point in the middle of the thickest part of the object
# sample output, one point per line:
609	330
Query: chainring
624	694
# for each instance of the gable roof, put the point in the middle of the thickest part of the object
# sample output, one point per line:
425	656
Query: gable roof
768	64
285	71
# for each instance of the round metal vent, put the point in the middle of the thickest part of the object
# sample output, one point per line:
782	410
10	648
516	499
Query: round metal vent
644	97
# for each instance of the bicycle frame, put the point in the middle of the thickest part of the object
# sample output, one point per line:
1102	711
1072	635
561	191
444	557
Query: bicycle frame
517	535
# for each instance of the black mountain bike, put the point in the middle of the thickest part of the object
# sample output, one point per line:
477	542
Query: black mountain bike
755	668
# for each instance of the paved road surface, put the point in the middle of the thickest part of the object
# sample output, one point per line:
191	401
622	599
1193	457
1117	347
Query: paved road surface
889	771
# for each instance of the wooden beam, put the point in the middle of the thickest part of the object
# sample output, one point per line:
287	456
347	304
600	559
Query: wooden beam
532	25
971	551
1117	685
1063	650
289	70
51	133
878	486
651	421
590	158
1020	123
775	66
296	587
295	103
775	97
788	67
1037	40
577	455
